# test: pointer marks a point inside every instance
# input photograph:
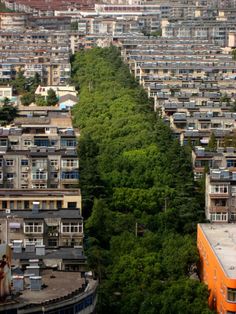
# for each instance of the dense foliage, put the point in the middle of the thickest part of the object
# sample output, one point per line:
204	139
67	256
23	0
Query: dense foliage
7	114
138	194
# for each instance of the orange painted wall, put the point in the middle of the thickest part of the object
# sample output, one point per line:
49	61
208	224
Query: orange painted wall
214	276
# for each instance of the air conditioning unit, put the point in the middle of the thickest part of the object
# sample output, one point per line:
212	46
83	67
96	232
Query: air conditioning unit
8	211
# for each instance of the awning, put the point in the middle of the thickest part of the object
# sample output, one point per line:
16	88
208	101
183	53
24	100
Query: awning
14	225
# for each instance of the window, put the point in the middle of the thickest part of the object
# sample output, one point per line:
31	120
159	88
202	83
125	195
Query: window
59	204
1	162
10	175
1	176
3	142
70	163
72	204
231	295
219	189
41	142
68	143
24	175
39	175
33	240
39	163
72	227
53	162
33	227
26	204
27	142
39	186
52	242
219	217
54	175
70	175
9	162
24	162
51	205
4	204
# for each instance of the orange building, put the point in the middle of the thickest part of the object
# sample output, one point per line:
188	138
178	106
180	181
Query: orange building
217	247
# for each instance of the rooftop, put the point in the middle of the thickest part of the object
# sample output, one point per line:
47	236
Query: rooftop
222	238
58	284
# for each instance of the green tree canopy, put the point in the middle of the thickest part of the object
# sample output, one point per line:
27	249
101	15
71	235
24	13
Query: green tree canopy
138	191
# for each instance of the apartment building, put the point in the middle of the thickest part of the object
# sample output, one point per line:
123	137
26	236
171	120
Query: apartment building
45	8
13	20
216	247
221	194
212	30
39	152
39	199
44	52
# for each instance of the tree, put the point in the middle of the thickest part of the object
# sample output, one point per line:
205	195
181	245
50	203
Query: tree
6	101
19	83
27	99
134	173
51	98
8	114
40	100
212	144
74	26
233	52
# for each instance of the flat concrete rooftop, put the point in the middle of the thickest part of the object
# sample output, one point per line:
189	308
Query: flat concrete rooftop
222	238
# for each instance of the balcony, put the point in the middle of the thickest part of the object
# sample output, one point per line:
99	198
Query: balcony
219	195
219	209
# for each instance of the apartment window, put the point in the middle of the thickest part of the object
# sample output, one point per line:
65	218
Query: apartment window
27	142
53	162
70	175
52	242
41	142
33	227
51	205
219	189
68	143
54	175
33	240
231	163
26	204
39	163
24	175
39	175
24	162
72	227
70	163
19	205
24	186
219	217
39	186
9	162
10	175
1	176
1	162
4	204
3	142
231	295
72	204
59	204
